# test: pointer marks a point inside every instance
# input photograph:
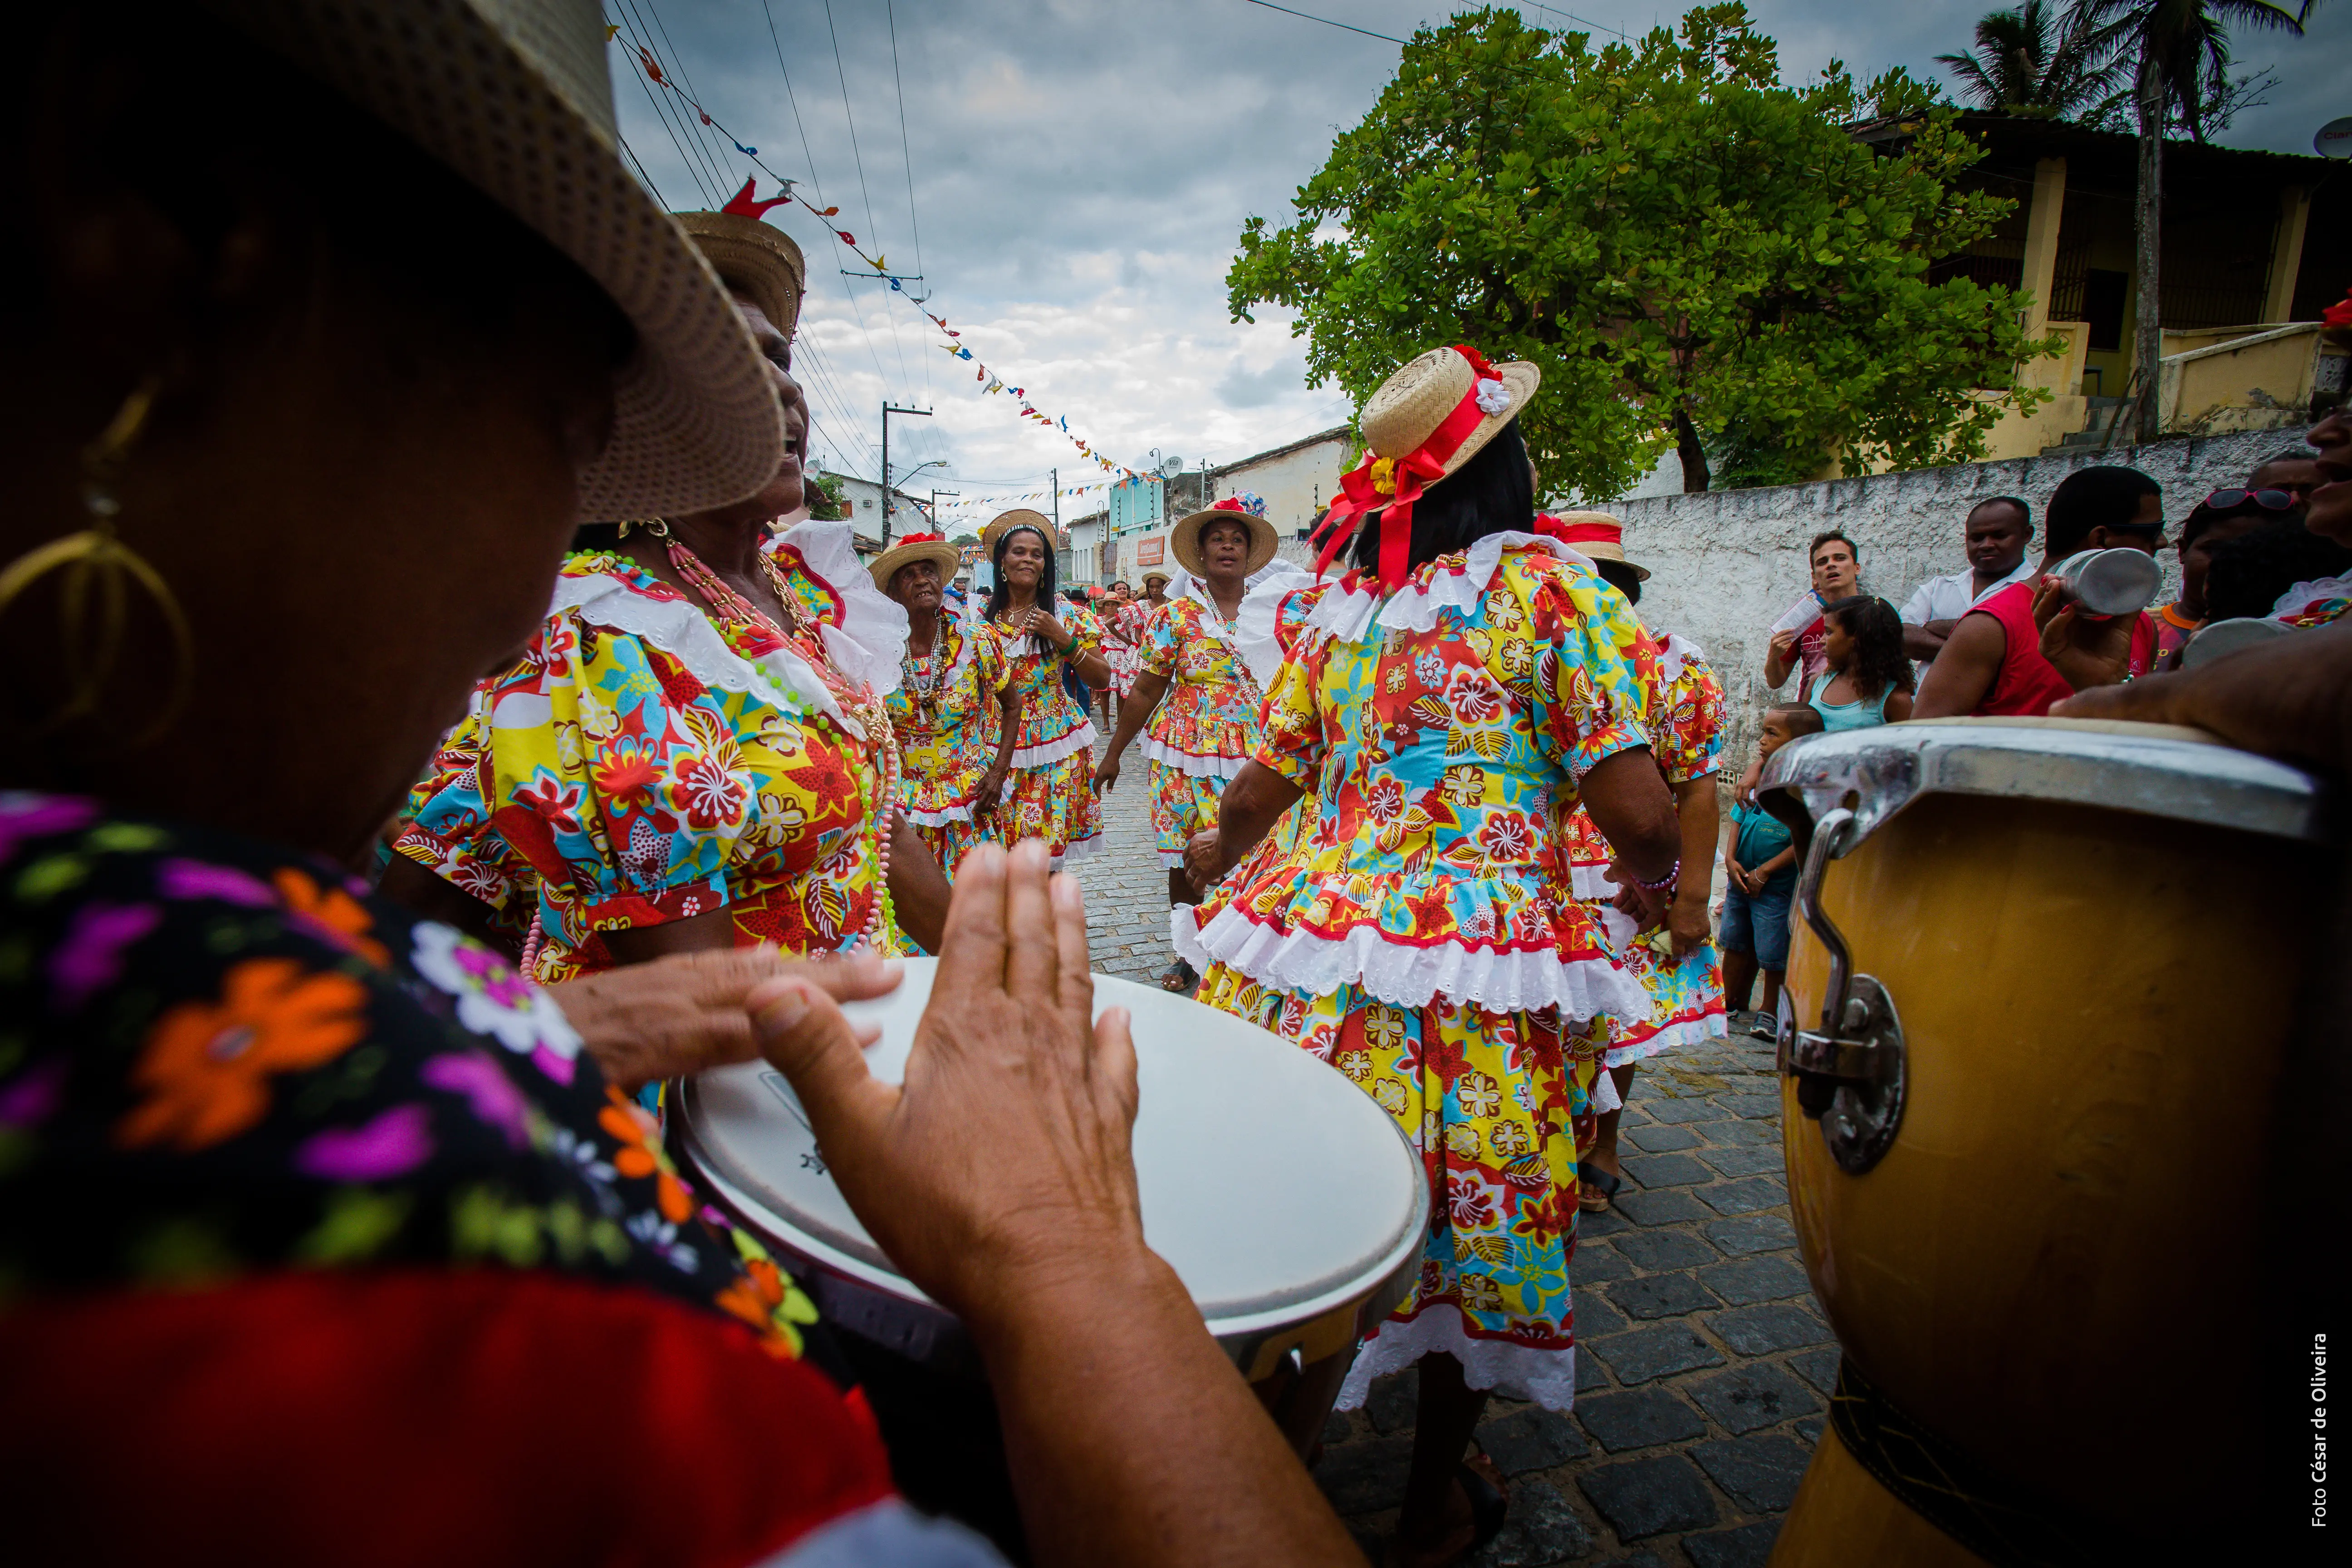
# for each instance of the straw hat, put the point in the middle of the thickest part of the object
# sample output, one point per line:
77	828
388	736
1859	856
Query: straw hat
1018	516
930	547
1410	405
1154	575
1184	538
1596	535
757	259
516	99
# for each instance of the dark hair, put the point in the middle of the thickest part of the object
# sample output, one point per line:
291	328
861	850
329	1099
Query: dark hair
1621	577
1802	718
1836	535
998	593
1879	666
2205	517
2023	511
2102	496
2249	572
1119	582
1488	494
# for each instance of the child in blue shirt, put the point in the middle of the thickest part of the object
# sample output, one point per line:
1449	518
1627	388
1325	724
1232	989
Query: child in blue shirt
1761	859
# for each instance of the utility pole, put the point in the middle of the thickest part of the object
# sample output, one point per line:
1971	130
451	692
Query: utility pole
936	494
889	408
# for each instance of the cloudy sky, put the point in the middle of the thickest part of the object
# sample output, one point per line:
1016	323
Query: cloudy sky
1069	176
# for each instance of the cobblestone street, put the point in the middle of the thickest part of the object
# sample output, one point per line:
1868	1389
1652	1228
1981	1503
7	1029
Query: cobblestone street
1704	1368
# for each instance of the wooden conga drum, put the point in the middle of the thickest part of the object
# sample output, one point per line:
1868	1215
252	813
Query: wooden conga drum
2042	979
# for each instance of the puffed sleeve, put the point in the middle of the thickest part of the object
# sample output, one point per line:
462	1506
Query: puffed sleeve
1291	740
1163	640
1688	736
448	830
1085	630
1593	666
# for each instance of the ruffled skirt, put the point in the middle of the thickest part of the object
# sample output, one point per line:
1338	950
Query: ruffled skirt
1055	802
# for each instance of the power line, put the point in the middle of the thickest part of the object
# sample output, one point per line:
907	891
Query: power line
906	152
858	157
718	156
638	164
662	112
1327	21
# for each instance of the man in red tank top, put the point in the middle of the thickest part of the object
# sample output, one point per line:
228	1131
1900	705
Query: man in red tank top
1994	662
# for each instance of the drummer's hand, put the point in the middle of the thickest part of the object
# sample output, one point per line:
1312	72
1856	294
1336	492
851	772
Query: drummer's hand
686	1012
2290	697
1005	1163
1204	860
2086	653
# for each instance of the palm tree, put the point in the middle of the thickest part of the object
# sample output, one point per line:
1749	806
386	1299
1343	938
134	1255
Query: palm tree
2028	61
2180	53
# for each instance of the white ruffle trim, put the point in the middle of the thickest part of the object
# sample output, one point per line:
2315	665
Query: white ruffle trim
1079	848
1513	1371
678	627
1173	861
1590	884
2294	599
1604	1093
1407	976
1678	653
1256	623
1688	1032
870	637
1350	614
1077	740
1191	763
936	818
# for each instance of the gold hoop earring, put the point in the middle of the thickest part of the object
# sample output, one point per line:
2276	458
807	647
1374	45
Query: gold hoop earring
658	527
99	566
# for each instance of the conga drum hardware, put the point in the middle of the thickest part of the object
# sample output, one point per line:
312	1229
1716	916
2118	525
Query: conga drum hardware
1848	1072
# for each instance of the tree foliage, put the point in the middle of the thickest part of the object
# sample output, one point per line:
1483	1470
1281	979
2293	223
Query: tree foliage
2180	50
1682	244
2035	60
823	496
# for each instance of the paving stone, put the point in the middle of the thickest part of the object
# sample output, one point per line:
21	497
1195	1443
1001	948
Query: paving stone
1666	1170
1660	1350
1747	1280
1337	1427
1759	1233
1750	1398
1760	1473
1607	1222
1758	1161
1371	1540
1746	1105
1661	1296
1749	1546
1597	1263
1591	1377
1595	1317
1809	1429
1632	1116
1531	1439
1366	1476
1744	1135
1744	1196
1640	1419
1679	1111
1819	1368
1645	1496
1639	1560
1395	1401
1760	1330
1665	1249
1660	1208
1660	1139
1540	1530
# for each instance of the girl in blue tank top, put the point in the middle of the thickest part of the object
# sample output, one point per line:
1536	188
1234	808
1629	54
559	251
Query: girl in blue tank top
1868	680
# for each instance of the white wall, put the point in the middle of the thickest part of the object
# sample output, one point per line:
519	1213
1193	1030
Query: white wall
1296	485
1725	563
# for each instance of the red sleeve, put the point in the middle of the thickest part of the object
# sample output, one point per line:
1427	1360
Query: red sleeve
449	1418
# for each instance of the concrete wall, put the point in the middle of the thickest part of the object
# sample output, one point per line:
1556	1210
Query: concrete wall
1296	484
1725	563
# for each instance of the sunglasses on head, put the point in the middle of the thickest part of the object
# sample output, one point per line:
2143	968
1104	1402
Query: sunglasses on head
2268	499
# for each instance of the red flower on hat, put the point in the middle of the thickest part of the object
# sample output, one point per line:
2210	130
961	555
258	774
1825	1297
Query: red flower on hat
1478	365
920	537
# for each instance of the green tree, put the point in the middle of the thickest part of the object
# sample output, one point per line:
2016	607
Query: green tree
1684	245
2032	61
824	498
2180	53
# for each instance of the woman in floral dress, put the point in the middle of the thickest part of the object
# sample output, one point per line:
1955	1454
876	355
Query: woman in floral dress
1195	688
955	711
1048	640
1122	635
1446	705
1676	962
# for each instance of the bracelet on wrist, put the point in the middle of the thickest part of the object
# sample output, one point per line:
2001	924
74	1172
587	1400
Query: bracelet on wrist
1663	884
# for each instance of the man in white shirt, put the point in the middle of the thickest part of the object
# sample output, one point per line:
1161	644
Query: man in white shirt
1995	537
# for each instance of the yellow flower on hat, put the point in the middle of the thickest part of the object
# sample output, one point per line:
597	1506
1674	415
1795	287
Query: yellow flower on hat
1384	475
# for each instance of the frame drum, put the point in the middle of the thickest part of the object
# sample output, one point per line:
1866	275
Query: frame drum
1288	1202
2036	1030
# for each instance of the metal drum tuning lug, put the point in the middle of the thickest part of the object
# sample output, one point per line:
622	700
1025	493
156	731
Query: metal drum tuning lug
1850	1072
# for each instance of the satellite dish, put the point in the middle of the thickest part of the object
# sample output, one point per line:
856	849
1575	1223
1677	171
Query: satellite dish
2335	138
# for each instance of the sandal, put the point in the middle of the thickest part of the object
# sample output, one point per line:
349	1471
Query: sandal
1595	1188
1178	977
1490	1505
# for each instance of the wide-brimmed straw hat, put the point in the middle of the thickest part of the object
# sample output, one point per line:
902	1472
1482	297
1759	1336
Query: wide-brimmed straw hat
931	547
1409	407
755	258
1596	535
1018	516
514	98
1155	575
1184	538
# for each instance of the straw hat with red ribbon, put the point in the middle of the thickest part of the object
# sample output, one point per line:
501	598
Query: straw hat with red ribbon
1018	516
1595	535
1425	421
1184	538
913	547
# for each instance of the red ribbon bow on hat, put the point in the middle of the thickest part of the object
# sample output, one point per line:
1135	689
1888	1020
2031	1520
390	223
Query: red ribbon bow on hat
920	537
1391	486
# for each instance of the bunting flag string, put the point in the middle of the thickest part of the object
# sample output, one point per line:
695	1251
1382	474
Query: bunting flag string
745	203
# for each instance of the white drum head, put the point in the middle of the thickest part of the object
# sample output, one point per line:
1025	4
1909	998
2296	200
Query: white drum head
1274	1186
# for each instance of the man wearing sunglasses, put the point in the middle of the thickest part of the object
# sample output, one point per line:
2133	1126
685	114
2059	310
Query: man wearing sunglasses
2296	472
2219	518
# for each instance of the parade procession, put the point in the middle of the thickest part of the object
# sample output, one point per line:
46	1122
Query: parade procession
580	984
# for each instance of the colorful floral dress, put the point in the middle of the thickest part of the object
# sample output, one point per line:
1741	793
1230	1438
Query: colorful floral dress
2308	605
1686	728
1123	636
945	711
1053	795
1423	936
646	763
1205	726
